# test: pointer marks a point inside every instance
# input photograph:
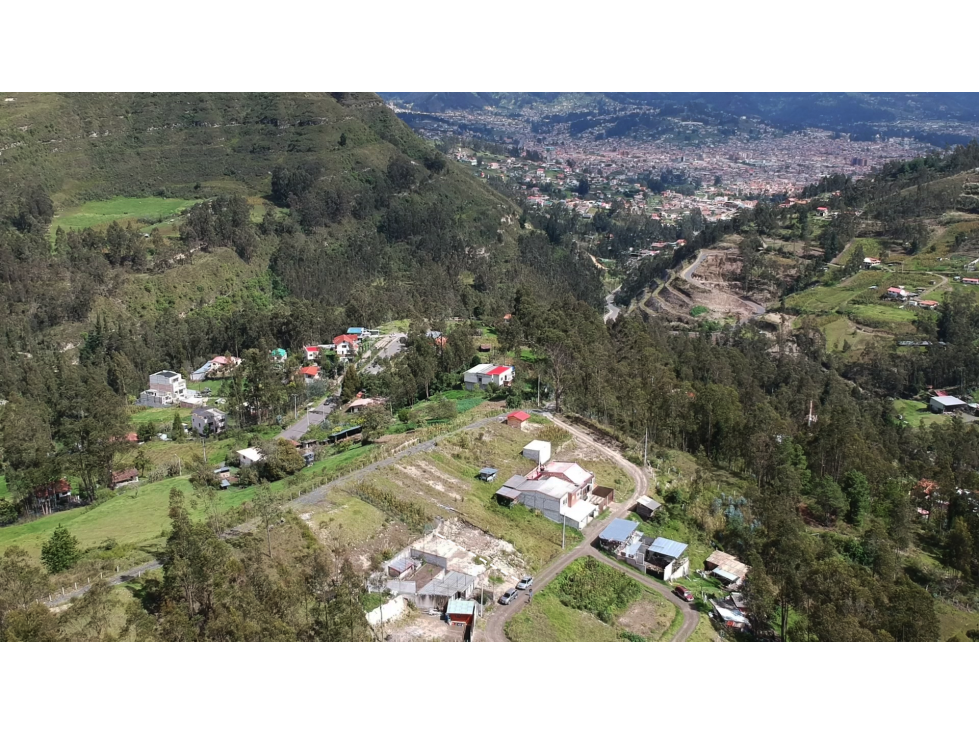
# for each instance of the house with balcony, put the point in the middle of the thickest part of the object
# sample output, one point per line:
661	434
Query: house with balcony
166	388
208	421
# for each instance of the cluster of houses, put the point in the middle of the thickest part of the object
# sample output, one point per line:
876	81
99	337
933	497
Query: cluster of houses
346	346
561	491
664	558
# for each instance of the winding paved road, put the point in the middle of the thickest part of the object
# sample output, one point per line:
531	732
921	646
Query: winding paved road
611	310
497	618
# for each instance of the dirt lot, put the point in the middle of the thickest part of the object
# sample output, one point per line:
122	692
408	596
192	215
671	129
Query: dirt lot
649	616
418	627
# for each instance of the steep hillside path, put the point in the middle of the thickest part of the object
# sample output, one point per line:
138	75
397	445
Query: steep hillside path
497	618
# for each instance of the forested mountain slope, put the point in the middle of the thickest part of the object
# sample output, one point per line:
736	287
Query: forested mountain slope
331	211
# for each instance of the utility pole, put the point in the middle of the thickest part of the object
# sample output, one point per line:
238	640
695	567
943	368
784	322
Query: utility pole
564	524
538	391
645	449
204	446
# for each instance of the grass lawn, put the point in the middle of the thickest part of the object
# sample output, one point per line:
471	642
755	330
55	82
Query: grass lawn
917	414
350	518
120	209
159	415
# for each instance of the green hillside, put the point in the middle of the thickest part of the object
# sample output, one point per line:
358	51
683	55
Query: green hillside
95	146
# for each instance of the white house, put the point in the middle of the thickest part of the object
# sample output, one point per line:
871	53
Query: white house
557	490
667	559
483	375
166	388
249	456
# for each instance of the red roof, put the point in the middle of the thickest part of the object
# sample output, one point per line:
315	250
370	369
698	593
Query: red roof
311	349
519	415
310	371
498	370
345	338
132	437
940	394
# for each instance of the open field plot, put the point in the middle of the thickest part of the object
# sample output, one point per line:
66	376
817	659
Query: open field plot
138	516
120	209
445	478
840	332
571	608
158	415
917	414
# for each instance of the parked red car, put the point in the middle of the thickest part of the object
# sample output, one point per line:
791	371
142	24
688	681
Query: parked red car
683	593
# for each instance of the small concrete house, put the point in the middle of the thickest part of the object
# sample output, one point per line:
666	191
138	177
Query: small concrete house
538	451
517	418
646	507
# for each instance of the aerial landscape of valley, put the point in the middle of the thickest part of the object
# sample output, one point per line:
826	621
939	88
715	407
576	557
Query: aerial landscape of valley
489	367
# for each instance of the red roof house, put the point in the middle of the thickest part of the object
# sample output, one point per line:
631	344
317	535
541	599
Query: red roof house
517	418
310	373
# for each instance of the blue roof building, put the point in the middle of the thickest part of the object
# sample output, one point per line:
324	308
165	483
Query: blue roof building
618	532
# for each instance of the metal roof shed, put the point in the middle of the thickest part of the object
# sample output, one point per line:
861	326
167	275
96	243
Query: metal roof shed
668	548
618	531
723	575
487	474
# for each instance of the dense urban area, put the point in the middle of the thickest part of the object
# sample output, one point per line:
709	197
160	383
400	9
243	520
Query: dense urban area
419	367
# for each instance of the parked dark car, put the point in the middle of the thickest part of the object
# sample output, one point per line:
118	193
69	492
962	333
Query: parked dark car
525	583
508	596
683	593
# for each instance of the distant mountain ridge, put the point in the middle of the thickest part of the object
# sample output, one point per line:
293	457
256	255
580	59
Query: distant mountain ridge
863	114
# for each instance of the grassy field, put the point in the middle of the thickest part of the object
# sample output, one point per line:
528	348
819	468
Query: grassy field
565	610
955	622
139	515
158	415
704	631
917	414
839	331
120	209
136	516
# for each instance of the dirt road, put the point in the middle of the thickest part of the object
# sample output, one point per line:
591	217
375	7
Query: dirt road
499	615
